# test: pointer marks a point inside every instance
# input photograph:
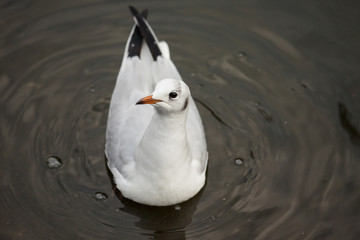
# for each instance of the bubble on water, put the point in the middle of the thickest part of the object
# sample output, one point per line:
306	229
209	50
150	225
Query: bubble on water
53	162
99	196
238	161
92	89
177	207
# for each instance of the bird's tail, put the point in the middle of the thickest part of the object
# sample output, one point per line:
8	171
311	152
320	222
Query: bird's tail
146	32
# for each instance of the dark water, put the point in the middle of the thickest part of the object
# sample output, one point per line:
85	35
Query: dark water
278	88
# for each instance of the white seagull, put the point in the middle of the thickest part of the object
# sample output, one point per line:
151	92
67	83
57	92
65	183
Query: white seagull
156	152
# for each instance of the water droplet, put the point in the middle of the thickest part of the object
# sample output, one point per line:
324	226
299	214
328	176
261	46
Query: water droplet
177	207
241	54
99	196
53	162
224	199
238	161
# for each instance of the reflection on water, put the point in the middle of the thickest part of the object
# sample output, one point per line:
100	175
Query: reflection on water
277	85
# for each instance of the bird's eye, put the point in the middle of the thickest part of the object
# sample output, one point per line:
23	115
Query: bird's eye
173	94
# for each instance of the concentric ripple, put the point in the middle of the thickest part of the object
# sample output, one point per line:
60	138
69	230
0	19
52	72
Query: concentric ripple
277	87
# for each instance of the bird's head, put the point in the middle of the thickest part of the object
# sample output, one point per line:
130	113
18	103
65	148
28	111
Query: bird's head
170	95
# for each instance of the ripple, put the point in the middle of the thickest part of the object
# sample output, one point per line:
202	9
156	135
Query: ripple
347	124
100	107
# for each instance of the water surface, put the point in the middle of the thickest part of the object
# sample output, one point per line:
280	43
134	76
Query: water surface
277	85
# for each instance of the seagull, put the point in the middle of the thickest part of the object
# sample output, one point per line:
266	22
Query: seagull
155	141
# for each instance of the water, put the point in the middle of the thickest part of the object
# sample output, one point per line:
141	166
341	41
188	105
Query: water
277	85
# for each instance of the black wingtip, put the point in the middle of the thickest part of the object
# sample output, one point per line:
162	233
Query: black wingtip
133	10
146	32
134	48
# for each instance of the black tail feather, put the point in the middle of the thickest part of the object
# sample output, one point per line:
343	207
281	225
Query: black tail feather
135	43
146	33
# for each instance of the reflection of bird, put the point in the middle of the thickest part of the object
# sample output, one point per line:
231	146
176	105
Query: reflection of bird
163	219
157	154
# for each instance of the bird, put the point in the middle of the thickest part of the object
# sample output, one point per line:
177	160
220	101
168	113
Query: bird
155	140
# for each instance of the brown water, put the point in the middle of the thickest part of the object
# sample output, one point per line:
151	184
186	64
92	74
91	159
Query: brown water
278	88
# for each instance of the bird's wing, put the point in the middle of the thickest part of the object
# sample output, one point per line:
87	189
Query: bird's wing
196	137
126	122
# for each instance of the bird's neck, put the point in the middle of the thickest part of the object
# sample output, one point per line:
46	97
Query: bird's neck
164	144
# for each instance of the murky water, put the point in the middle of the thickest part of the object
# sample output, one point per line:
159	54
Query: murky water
278	88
